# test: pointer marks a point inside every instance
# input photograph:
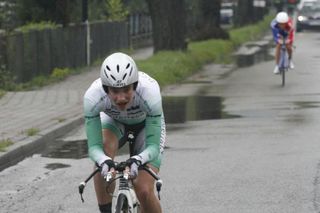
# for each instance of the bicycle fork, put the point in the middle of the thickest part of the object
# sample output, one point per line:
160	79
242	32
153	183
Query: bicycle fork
126	189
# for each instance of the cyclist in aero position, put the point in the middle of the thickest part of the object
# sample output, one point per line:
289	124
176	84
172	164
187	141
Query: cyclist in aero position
282	28
125	104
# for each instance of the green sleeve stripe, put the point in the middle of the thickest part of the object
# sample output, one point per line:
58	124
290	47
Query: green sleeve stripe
90	117
153	133
94	135
153	116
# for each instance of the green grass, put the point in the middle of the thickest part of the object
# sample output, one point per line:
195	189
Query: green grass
37	26
32	131
58	74
250	32
4	144
2	93
169	67
60	120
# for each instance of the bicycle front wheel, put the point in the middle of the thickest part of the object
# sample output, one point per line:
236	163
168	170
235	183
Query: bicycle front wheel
283	77
122	204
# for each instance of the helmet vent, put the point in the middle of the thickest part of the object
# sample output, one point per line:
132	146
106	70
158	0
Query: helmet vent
113	77
124	76
118	68
128	66
130	71
105	73
108	68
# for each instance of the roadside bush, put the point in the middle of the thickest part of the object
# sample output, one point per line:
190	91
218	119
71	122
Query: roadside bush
4	143
6	79
7	82
38	81
59	74
2	93
37	26
250	32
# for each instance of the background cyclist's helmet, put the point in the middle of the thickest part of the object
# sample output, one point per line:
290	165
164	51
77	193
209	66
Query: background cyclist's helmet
282	17
118	70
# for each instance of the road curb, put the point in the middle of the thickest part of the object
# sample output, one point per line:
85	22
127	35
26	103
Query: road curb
19	151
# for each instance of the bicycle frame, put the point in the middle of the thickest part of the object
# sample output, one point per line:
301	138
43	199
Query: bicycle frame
126	199
126	195
284	60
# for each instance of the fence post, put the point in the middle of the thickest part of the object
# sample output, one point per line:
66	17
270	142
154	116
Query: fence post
88	41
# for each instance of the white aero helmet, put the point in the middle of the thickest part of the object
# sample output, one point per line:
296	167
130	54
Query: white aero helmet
118	70
282	17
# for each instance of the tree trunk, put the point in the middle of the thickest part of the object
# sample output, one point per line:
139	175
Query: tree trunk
208	25
244	13
63	13
168	24
211	12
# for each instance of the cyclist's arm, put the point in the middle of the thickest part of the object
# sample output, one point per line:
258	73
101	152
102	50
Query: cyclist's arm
275	31
290	33
152	103
152	134
94	132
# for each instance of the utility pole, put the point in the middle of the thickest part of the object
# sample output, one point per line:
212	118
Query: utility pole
86	21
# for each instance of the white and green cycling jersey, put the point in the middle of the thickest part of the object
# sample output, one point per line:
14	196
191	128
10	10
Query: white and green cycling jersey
146	106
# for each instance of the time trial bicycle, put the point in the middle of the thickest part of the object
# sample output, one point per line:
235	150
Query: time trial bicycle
283	62
125	199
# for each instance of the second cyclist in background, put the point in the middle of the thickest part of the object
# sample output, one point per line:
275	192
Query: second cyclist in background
282	27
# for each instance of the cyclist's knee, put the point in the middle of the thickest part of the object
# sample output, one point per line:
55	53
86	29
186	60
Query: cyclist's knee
289	46
143	192
143	188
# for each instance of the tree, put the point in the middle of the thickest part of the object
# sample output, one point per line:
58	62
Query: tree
8	19
116	10
168	22
244	13
136	6
57	11
208	21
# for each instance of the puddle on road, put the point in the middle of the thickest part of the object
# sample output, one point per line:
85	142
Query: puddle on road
192	108
72	149
176	110
307	104
54	166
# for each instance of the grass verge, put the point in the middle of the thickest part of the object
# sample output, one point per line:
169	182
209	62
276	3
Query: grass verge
32	131
170	67
2	93
4	144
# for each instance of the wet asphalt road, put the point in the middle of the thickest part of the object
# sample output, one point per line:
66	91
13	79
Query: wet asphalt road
264	158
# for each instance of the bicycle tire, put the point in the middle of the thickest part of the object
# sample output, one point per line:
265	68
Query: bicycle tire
283	64
122	204
283	77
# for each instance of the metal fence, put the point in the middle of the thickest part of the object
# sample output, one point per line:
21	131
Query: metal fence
38	52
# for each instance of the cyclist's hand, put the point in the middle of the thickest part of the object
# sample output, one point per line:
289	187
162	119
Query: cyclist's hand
106	166
134	162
